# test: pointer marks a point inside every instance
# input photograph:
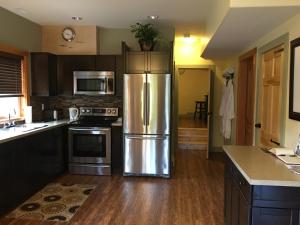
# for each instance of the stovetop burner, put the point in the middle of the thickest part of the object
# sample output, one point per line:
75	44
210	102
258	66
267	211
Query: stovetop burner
96	117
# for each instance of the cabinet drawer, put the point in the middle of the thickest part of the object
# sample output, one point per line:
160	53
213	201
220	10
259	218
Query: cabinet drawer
272	216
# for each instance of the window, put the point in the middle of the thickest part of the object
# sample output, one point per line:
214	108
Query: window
13	78
10	106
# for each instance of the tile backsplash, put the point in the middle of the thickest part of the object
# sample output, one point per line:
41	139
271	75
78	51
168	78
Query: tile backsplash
63	103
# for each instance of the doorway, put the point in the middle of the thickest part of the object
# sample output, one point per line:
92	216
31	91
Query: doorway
246	98
194	103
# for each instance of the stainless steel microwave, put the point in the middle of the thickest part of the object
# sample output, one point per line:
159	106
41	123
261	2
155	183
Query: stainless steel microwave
94	83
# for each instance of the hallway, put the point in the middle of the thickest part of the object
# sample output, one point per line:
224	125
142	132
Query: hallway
194	196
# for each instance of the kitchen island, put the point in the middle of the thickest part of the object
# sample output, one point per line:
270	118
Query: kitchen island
259	189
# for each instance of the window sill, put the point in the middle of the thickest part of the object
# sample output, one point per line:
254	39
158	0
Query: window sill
17	119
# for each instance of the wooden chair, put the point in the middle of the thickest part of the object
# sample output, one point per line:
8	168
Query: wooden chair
201	107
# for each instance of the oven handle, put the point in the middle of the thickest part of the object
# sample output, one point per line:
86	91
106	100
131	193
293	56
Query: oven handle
90	130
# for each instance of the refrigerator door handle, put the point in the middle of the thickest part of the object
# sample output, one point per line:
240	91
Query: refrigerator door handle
145	105
148	103
146	138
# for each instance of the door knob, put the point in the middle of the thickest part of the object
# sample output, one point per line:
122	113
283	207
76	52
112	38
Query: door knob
258	125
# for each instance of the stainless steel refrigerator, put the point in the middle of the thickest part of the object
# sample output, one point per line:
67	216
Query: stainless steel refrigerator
146	119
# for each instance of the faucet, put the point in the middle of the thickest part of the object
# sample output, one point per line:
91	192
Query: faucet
10	123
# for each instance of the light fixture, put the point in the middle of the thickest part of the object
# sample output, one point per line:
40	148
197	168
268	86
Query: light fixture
154	17
186	35
77	18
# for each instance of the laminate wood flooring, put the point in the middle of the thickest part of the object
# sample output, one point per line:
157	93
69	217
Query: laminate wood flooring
193	196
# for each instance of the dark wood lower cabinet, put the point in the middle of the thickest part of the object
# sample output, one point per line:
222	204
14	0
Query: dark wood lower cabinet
117	149
257	204
29	163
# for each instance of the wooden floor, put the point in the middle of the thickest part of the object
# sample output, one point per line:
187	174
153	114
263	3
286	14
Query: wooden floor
189	122
193	196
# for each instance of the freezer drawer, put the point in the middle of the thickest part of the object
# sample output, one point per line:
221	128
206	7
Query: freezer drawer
147	155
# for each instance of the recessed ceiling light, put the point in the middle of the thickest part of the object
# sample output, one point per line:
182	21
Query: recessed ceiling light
153	17
76	18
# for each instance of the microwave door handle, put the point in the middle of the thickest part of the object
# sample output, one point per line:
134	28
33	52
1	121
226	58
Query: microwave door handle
106	84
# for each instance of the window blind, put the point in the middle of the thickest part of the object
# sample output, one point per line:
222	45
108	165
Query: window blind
10	75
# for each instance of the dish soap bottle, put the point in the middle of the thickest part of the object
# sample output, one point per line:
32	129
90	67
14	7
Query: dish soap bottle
298	146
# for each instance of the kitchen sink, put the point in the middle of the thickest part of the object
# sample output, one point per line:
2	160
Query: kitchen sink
29	127
24	127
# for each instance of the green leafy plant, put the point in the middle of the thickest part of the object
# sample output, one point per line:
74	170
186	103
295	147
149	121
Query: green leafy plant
145	33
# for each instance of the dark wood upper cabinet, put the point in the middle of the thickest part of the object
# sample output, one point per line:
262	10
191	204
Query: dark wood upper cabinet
66	65
150	62
53	75
43	74
105	62
119	75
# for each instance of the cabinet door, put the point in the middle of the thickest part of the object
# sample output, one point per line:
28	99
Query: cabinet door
67	64
105	62
117	148
272	216
235	204
6	176
158	62
43	74
244	211
136	62
227	200
119	75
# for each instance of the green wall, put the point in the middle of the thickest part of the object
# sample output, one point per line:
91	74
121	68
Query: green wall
110	39
19	32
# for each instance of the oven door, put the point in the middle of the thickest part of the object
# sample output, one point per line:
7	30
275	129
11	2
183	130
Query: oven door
89	145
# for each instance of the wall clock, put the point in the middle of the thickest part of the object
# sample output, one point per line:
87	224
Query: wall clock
68	34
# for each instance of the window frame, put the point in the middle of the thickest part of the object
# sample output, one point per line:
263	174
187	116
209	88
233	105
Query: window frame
23	101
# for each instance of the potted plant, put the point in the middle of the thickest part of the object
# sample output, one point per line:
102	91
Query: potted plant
146	35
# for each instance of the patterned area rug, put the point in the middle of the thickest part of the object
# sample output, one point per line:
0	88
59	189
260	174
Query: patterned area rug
55	202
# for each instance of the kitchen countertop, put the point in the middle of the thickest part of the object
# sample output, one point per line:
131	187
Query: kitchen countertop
9	134
261	168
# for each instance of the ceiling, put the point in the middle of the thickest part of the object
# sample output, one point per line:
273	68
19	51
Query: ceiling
190	14
242	26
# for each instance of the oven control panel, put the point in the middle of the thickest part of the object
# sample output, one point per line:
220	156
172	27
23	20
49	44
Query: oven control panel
93	111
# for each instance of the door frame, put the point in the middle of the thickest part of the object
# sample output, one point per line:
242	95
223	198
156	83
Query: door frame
241	84
212	71
282	40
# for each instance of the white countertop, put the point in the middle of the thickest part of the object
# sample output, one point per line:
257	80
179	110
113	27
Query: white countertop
8	134
261	168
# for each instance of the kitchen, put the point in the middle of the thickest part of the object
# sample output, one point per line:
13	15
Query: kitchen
135	174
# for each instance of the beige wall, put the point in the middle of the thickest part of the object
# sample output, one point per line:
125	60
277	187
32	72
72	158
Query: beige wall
19	32
193	85
292	127
85	42
110	39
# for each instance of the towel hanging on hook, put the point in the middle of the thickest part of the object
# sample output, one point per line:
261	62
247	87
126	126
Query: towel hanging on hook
228	74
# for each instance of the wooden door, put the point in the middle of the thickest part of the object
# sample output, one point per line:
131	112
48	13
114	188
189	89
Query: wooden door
210	113
270	99
246	98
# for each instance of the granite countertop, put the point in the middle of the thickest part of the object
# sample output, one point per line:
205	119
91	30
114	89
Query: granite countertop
8	134
261	168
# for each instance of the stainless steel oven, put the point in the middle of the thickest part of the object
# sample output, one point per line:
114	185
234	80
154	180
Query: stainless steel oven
94	82
90	150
